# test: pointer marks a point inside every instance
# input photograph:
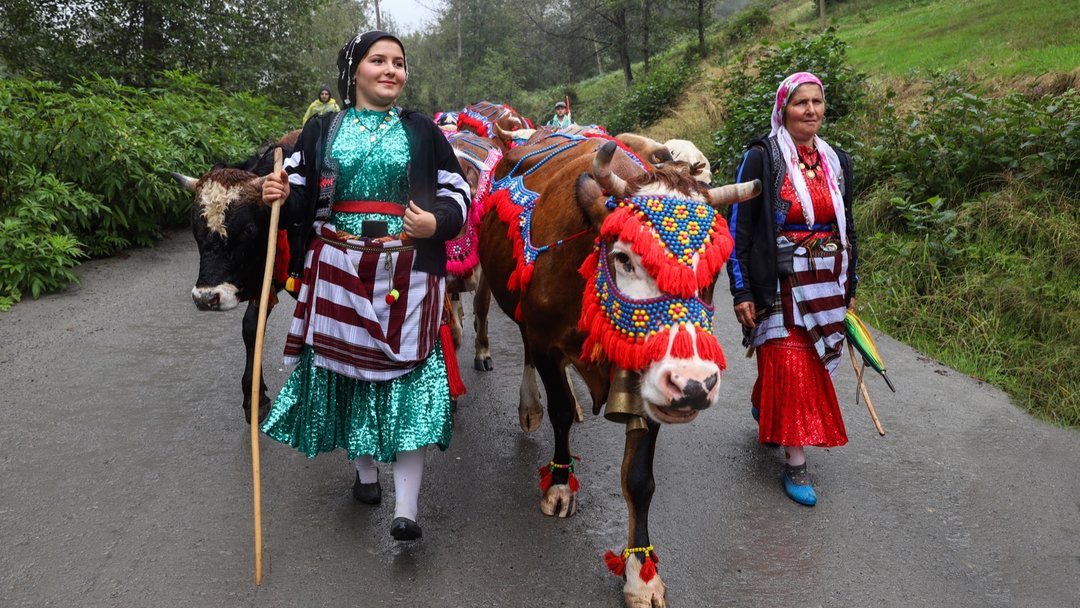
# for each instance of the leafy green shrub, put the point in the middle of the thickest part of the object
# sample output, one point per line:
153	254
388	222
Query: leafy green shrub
85	168
750	95
647	100
746	24
961	143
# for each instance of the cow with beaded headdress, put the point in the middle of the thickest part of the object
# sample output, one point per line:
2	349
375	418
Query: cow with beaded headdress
607	264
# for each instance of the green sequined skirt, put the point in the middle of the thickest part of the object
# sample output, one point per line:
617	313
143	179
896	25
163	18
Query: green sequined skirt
319	411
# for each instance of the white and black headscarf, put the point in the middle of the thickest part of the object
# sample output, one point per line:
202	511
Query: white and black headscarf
351	54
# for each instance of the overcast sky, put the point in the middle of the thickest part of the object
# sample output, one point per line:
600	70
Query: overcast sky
410	15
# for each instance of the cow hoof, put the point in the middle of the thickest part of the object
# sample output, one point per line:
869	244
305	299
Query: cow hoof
483	365
559	500
530	419
638	593
264	411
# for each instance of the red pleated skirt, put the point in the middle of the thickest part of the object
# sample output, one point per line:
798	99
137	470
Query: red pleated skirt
794	395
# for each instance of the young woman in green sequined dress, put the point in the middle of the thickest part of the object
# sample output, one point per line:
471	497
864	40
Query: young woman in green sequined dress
383	191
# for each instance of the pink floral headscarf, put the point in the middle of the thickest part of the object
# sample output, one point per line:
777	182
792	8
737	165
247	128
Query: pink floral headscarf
831	165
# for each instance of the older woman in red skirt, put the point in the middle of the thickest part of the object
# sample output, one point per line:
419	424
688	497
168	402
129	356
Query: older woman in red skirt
793	275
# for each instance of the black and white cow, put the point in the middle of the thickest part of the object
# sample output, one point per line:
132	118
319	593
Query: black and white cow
230	224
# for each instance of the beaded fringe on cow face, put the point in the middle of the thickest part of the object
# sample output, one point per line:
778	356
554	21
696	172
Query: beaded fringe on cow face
668	235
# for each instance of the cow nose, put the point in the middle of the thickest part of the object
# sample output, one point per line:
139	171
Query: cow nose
692	393
207	300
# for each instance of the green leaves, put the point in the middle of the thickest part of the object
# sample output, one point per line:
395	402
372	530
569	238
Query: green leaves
86	169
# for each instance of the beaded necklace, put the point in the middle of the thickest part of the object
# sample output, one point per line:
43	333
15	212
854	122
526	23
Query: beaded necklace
808	168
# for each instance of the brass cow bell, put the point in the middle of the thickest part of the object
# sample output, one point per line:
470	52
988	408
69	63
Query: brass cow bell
624	401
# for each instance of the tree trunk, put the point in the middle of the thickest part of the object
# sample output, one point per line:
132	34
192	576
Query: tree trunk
622	42
646	51
153	41
457	22
378	16
821	13
701	26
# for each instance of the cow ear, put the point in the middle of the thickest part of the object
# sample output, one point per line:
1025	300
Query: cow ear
592	200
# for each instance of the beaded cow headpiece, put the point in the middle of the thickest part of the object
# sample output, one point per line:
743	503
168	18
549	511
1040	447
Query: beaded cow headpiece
683	244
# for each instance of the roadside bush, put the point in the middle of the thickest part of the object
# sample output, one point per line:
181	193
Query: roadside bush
750	95
746	24
85	168
647	100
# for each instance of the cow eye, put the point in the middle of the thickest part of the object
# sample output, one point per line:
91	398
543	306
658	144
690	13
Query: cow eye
623	260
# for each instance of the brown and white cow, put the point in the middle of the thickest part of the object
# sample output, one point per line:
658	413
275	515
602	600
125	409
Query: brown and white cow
605	298
230	226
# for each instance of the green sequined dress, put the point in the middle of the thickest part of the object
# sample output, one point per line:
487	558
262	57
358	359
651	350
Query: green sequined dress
318	410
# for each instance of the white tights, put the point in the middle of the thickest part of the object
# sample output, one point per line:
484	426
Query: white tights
794	455
408	473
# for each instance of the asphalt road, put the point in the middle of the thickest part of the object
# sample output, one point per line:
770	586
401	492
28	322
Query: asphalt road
127	482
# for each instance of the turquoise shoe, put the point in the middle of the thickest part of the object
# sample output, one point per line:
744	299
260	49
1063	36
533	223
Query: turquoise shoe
799	485
754	413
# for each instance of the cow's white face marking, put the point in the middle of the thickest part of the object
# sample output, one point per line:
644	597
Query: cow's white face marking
630	275
214	199
218	297
666	381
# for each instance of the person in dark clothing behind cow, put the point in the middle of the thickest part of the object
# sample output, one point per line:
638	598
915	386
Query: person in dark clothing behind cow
792	274
383	192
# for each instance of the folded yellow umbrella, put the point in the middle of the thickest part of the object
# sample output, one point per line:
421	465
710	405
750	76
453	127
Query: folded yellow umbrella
859	336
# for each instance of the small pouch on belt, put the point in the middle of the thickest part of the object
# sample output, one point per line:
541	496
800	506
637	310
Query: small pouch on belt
785	250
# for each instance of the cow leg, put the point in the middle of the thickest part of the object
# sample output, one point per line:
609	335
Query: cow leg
250	327
481	305
579	414
560	498
457	315
638	486
530	410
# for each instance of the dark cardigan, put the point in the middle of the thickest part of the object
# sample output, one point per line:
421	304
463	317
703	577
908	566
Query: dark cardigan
429	154
754	224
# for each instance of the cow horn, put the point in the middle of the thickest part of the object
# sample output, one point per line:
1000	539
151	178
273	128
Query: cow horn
185	181
601	164
501	133
734	193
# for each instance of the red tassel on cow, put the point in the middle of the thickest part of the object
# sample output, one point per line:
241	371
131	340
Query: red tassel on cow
682	347
648	569
453	372
616	563
545	477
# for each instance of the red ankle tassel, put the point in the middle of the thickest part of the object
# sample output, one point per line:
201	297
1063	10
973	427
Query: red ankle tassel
453	373
545	477
648	570
615	563
573	483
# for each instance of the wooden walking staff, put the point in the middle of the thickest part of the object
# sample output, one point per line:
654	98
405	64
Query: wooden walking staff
862	387
260	333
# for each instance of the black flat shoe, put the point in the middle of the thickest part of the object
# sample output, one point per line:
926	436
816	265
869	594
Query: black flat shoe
404	528
367	493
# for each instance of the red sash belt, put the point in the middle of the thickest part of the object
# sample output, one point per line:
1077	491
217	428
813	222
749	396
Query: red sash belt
370	207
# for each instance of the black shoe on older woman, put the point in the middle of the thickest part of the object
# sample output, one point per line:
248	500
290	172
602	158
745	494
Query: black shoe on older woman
404	528
367	493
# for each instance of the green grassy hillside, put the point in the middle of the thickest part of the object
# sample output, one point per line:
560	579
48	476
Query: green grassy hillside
996	39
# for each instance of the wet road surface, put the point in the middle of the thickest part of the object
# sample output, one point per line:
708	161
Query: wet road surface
127	482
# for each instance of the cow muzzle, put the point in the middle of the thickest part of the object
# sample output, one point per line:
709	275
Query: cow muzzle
677	393
219	297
